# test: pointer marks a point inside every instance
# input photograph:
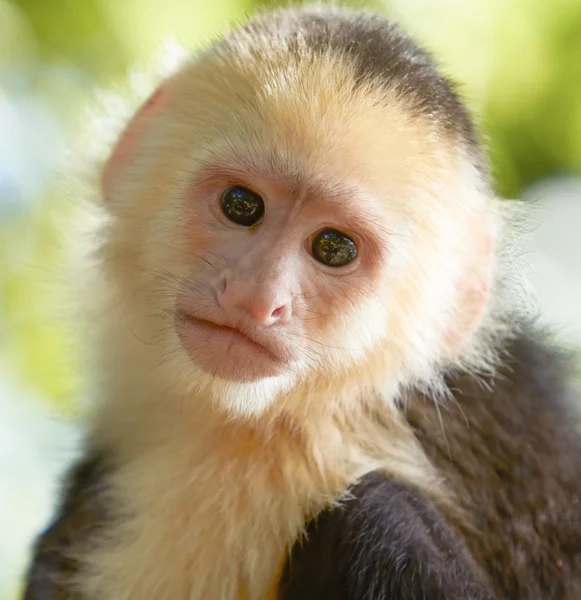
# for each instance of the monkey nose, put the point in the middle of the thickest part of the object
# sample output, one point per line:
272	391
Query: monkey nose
258	305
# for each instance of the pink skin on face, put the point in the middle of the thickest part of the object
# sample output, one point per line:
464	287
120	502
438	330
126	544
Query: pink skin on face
264	300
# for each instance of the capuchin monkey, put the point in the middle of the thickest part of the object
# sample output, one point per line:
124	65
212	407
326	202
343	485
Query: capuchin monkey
313	377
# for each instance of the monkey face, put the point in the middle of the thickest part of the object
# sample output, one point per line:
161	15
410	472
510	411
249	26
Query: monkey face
268	238
275	275
276	267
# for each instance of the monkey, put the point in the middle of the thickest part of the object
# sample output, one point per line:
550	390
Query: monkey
315	377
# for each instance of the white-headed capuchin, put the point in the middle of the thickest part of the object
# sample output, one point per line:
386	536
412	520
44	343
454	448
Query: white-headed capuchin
312	380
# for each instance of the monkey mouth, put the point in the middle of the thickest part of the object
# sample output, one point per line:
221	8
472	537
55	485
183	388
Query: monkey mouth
269	351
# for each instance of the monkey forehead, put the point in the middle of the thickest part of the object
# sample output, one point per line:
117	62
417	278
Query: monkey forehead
377	51
302	85
306	119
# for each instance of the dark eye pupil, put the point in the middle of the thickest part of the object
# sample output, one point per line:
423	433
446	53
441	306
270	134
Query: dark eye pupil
334	248
242	206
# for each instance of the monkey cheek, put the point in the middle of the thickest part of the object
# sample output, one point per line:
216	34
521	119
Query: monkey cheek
228	356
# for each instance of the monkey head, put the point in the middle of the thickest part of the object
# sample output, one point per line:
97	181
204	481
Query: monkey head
298	216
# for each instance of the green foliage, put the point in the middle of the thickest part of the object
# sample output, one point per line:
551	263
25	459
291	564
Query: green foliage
38	340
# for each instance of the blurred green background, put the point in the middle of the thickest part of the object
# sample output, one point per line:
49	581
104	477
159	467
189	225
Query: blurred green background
519	66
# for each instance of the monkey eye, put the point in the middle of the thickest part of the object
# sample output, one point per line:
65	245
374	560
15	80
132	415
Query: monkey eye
242	206
333	248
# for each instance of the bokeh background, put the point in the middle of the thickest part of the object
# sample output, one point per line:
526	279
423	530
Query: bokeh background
518	63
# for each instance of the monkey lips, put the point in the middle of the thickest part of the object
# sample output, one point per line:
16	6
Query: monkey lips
230	351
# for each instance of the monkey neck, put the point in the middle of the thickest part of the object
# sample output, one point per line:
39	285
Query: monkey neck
133	423
333	440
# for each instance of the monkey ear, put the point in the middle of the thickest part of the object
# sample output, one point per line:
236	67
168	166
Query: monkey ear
126	144
476	282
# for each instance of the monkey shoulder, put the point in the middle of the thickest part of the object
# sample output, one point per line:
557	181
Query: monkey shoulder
528	408
509	448
56	551
387	540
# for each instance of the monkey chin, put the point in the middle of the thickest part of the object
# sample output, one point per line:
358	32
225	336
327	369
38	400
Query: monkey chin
246	400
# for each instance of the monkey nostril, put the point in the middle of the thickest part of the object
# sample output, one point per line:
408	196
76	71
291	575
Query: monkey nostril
277	312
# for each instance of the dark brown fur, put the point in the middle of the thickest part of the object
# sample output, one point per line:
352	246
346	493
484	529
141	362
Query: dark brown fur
511	451
79	514
388	542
